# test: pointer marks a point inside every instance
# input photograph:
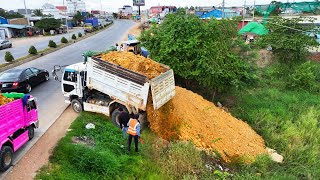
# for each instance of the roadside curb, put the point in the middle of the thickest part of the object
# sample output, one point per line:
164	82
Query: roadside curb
26	59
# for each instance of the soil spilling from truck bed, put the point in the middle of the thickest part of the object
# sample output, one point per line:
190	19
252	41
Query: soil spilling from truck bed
135	63
5	100
189	117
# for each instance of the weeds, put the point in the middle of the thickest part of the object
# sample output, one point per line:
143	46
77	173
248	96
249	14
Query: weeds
289	122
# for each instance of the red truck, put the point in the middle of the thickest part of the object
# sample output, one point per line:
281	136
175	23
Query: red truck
17	122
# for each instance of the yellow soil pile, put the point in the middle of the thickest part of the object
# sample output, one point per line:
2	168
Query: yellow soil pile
190	117
135	63
5	100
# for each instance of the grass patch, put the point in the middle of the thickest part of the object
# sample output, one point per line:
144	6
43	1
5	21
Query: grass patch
107	159
289	122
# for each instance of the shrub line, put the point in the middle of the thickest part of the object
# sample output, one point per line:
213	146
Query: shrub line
28	58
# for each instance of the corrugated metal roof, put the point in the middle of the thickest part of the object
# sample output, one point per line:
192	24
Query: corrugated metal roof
14	26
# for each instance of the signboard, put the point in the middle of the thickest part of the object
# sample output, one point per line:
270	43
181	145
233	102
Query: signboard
138	2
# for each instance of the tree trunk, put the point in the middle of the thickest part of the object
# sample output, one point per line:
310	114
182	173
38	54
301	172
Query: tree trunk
213	94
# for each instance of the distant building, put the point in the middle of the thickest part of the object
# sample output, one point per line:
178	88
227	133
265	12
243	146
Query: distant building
126	10
23	12
49	9
13	30
98	13
62	8
217	13
204	8
161	11
76	5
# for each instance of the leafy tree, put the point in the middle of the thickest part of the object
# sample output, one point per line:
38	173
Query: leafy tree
48	24
304	77
191	8
289	39
8	57
277	10
198	50
33	50
52	44
10	15
38	12
78	18
64	40
74	37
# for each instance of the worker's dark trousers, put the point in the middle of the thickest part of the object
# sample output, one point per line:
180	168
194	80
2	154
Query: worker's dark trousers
135	142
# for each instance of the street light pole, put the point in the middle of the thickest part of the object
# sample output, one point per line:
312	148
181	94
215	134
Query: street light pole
100	7
65	15
25	8
254	8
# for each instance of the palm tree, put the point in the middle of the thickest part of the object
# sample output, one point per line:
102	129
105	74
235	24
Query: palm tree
38	12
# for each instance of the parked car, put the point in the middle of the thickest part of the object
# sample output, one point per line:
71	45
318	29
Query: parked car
22	80
5	44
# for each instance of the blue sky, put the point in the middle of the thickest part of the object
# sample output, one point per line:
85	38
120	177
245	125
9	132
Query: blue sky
113	5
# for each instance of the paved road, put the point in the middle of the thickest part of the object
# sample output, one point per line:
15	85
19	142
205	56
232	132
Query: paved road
19	51
50	100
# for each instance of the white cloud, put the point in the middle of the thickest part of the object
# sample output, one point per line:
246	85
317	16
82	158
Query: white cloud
113	5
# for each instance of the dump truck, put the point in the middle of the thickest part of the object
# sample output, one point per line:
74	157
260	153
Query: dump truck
91	24
19	118
102	87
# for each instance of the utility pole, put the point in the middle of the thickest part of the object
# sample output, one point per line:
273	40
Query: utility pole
100	8
244	12
66	17
254	8
223	6
25	8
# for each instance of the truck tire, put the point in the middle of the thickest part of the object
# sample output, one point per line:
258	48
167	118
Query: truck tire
6	156
144	123
30	132
76	106
114	116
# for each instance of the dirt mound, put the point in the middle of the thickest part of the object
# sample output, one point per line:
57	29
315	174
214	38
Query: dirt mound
190	117
135	63
5	100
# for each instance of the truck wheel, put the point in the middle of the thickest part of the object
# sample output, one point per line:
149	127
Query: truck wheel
114	117
76	106
6	155
144	120
30	132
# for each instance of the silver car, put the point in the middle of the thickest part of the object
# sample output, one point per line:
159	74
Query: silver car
5	44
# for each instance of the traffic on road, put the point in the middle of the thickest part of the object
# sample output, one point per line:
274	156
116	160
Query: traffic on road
28	77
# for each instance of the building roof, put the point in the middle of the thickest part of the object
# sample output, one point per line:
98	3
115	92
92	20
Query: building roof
62	8
14	26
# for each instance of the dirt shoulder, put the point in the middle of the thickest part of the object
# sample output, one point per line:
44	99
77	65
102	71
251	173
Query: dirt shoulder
39	154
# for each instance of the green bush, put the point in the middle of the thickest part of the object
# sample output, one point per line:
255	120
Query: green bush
33	50
8	57
304	77
64	40
52	44
79	34
74	37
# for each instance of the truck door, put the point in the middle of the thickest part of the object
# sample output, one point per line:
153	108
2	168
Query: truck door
71	84
32	110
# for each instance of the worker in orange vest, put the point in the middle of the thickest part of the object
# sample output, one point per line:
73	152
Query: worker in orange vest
134	131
